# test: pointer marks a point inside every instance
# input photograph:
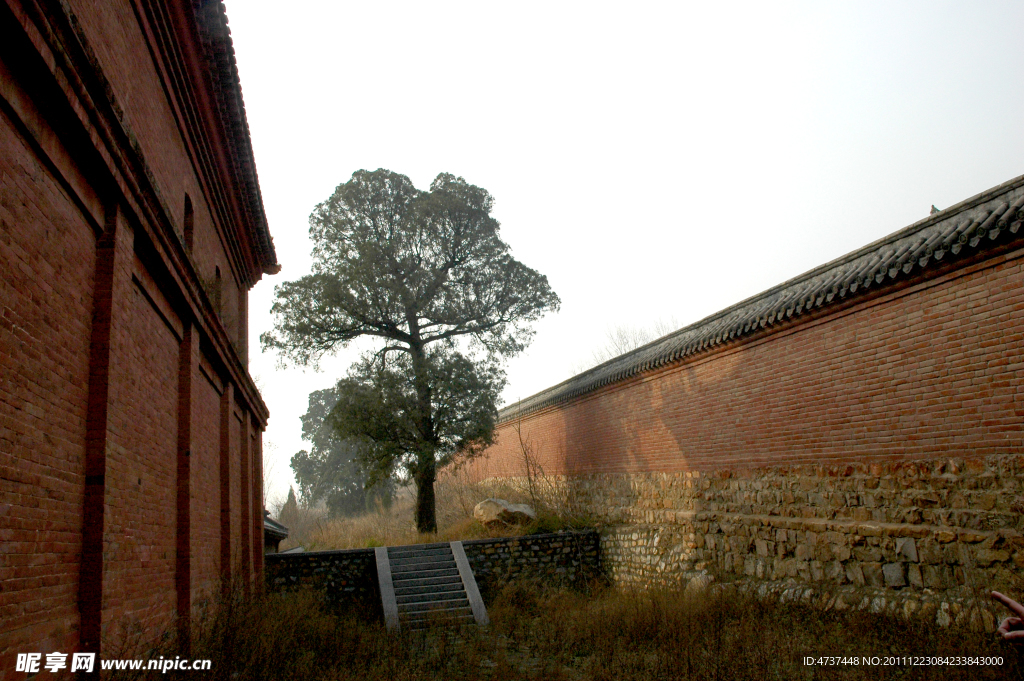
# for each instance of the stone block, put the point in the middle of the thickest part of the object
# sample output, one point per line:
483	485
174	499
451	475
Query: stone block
893	575
869	554
842	552
834	571
986	501
854	573
906	549
985	557
873	574
869	530
914	575
972	537
935	576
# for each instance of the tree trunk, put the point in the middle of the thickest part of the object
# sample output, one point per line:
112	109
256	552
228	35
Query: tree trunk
426	464
426	517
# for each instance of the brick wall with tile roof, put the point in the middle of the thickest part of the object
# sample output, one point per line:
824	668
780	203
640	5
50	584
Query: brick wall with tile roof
800	434
125	475
924	362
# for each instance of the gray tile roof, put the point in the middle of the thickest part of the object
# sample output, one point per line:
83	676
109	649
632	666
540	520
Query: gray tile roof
219	52
274	528
982	225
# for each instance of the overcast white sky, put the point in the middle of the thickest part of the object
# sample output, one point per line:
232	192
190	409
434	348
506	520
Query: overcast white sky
654	160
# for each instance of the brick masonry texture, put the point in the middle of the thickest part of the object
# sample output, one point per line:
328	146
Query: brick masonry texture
874	447
350	576
931	371
122	365
45	317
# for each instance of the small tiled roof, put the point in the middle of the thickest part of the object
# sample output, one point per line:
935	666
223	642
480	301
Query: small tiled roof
274	528
986	222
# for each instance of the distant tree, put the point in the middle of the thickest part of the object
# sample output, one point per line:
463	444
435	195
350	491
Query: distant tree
331	470
625	338
289	513
427	273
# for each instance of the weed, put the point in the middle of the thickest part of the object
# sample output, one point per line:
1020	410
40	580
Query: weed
602	635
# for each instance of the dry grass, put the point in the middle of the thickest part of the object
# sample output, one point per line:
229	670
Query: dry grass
603	635
456	497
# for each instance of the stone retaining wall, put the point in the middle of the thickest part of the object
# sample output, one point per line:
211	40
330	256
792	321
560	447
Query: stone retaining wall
570	558
347	577
350	576
924	531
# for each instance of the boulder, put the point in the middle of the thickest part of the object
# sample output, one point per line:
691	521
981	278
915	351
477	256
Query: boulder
698	585
500	512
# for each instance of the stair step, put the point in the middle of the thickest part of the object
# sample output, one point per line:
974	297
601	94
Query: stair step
428	589
416	583
413	575
397	569
404	578
417	560
432	597
414	548
437	550
425	606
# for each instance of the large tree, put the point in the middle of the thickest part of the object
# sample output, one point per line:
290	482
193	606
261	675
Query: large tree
426	273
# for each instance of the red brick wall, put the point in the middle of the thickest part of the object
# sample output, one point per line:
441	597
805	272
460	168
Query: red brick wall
47	250
205	490
935	369
94	306
140	523
120	46
235	490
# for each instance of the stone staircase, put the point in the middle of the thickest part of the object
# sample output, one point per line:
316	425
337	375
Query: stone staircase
423	584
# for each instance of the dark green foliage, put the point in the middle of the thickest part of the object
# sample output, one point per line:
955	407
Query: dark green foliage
378	407
428	274
330	470
410	267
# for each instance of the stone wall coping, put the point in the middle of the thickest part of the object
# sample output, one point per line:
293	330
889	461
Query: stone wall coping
273	557
530	537
369	552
